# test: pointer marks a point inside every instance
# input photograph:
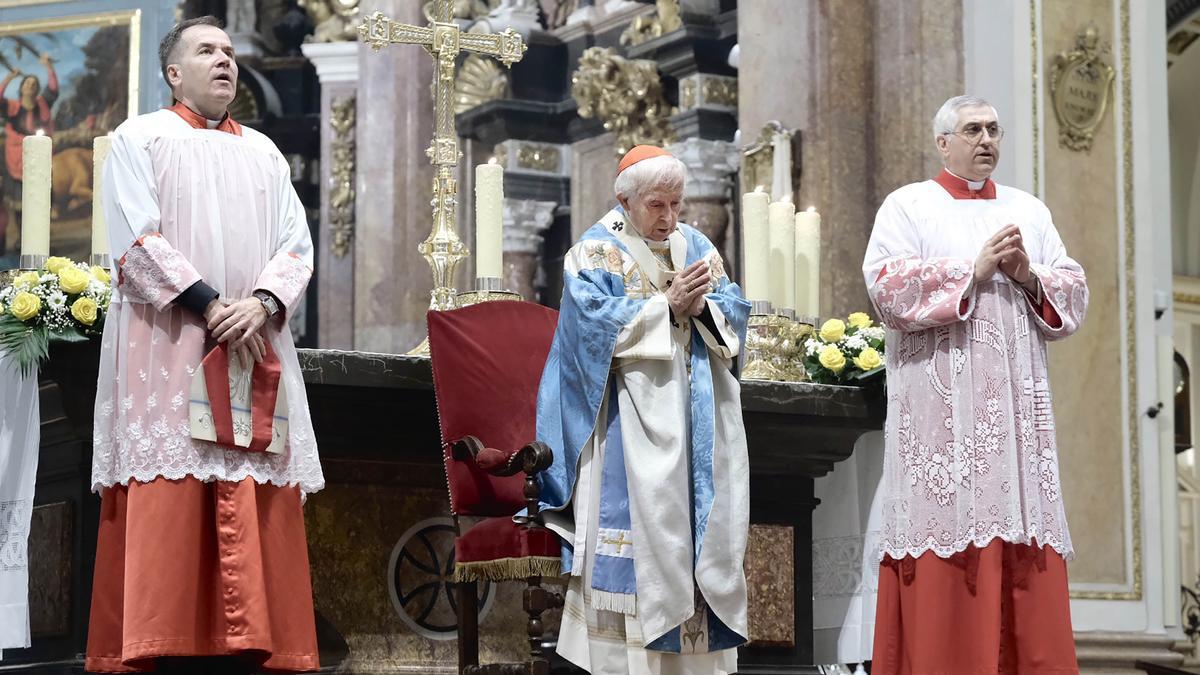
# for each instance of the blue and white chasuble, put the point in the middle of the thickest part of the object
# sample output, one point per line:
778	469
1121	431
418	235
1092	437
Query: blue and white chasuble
649	489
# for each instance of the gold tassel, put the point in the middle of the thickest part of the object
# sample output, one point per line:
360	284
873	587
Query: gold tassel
507	569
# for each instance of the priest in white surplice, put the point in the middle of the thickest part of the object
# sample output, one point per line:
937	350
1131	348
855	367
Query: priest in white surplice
201	551
971	280
650	484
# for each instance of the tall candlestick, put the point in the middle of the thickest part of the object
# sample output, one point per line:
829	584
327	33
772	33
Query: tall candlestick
489	220
35	195
756	243
808	262
100	147
782	290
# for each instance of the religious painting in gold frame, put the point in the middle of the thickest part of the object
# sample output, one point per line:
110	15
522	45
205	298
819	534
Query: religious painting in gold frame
75	77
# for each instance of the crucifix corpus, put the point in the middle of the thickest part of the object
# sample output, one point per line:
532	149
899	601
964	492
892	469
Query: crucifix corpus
443	39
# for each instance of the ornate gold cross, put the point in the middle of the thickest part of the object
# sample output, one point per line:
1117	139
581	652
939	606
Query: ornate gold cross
443	39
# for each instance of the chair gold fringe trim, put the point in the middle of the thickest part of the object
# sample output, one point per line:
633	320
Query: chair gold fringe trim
507	569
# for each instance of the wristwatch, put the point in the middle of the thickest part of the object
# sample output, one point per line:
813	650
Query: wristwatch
268	301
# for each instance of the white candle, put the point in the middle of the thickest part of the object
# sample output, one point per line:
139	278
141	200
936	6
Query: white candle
782	289
489	219
100	147
781	165
755	243
35	194
808	262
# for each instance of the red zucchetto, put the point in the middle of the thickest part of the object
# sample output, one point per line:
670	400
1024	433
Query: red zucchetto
639	153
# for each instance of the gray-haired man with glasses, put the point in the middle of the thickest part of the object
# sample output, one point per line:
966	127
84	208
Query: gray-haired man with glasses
971	280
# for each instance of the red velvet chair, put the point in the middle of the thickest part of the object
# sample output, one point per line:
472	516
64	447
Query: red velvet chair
487	363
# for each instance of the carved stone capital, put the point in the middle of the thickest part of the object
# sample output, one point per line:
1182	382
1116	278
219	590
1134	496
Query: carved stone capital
532	157
711	165
525	224
334	61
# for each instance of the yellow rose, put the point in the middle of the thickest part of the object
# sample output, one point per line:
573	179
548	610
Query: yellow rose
832	358
25	306
84	310
101	274
26	280
73	280
868	359
56	262
860	320
833	330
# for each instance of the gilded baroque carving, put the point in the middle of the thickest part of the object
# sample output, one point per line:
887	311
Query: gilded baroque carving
538	157
627	95
687	93
341	175
335	20
1080	86
720	91
665	20
701	90
479	80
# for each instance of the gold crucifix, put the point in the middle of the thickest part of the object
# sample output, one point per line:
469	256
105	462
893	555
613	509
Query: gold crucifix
443	39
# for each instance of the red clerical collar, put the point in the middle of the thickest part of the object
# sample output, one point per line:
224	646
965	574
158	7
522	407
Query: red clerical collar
960	189
198	121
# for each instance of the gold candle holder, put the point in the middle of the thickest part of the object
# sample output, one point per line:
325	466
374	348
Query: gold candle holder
789	346
26	263
487	289
759	362
8	276
792	337
775	344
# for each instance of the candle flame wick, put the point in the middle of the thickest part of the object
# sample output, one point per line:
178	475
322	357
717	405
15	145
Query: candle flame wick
492	160
759	188
40	132
811	209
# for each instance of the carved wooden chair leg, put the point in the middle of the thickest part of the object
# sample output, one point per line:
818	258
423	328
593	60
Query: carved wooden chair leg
536	601
468	625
